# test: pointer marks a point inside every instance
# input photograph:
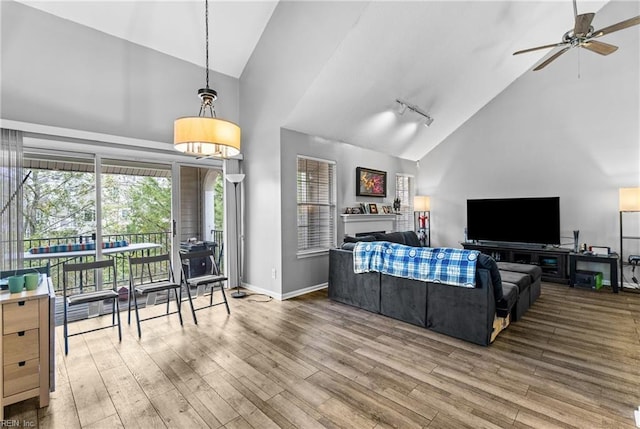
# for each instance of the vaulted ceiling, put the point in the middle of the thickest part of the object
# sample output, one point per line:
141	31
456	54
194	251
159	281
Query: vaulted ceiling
449	58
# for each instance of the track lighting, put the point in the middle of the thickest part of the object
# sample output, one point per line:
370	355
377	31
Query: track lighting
403	106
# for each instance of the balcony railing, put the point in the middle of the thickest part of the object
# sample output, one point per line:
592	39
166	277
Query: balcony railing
163	239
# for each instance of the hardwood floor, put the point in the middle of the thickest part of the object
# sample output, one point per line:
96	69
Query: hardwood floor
572	361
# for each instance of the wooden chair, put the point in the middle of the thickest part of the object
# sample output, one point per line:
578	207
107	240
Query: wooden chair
159	278
102	273
210	279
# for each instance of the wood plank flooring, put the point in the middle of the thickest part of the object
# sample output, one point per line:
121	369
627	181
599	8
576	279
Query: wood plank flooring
573	361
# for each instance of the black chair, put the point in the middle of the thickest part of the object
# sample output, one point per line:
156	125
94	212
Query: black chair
158	278
207	274
100	273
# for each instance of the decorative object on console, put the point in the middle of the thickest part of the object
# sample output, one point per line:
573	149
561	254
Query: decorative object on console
371	183
206	136
629	199
396	204
422	221
236	179
373	209
576	234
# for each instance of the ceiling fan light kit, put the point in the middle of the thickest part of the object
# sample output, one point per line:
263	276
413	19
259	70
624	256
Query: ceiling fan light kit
205	135
581	36
403	106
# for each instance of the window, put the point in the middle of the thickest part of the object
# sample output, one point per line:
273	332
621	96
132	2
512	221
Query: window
404	191
316	194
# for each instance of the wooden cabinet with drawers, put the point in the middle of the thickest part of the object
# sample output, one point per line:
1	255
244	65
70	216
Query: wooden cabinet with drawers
24	347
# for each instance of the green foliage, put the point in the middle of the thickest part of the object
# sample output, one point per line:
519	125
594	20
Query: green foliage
58	204
62	204
218	202
150	206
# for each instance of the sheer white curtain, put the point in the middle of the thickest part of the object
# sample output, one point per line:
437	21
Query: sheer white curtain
12	177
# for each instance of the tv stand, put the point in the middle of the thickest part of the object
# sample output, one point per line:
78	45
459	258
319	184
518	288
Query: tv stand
553	261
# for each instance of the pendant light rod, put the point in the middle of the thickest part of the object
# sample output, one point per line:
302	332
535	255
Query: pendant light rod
206	37
206	136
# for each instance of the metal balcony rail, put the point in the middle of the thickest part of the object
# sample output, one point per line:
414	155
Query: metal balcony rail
122	265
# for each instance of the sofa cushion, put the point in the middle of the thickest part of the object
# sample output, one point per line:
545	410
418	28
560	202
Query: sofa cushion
523	281
408	238
488	263
508	300
351	239
534	271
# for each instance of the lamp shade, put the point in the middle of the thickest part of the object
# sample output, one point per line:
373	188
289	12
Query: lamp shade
629	199
421	203
204	136
235	178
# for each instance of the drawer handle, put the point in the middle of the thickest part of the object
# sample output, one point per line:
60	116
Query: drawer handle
23	363
21	303
21	334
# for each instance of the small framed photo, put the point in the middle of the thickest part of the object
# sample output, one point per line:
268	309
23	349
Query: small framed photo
385	209
373	208
355	210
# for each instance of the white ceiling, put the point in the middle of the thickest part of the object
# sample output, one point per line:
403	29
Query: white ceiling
176	28
450	58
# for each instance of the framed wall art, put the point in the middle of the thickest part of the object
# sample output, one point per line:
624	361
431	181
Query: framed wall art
371	183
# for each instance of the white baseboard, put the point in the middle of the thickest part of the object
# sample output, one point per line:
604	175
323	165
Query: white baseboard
305	290
282	297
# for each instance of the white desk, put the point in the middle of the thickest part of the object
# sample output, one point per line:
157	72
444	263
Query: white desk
78	253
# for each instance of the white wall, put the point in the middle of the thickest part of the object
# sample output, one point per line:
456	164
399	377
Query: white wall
308	272
286	60
59	73
570	130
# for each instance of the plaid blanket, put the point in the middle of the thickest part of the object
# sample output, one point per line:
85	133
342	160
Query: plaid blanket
437	265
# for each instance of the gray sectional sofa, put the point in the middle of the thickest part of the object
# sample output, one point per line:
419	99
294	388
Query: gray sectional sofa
503	293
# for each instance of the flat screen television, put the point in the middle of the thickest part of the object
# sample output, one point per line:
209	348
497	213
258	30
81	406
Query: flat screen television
515	220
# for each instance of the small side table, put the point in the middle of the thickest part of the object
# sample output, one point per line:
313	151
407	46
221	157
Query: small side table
611	259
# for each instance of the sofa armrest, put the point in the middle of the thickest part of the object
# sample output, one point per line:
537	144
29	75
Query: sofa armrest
360	290
465	313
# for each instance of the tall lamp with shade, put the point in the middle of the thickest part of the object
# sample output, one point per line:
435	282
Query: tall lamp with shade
236	179
629	203
421	215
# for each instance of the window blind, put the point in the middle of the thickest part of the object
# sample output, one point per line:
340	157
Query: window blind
404	191
316	195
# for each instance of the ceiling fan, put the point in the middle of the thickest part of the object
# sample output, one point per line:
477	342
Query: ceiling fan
582	36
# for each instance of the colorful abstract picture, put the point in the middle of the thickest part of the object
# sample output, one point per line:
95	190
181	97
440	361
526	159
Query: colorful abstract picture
371	183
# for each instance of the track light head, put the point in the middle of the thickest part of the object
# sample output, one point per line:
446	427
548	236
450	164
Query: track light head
428	121
402	107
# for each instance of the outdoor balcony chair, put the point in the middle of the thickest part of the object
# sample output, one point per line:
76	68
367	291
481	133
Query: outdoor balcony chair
99	273
159	277
199	268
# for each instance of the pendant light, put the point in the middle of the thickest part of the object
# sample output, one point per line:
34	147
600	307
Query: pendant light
205	135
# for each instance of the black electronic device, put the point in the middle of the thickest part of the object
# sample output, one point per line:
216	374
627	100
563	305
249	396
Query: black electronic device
197	266
590	279
534	221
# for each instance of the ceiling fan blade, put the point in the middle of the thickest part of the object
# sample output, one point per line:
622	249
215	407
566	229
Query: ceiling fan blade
599	47
619	26
551	58
582	24
553	45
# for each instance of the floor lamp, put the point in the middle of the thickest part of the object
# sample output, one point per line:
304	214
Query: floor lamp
236	179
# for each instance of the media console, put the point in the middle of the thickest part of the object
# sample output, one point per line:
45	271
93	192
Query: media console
553	261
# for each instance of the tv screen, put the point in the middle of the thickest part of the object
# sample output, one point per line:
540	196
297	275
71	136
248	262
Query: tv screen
514	220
